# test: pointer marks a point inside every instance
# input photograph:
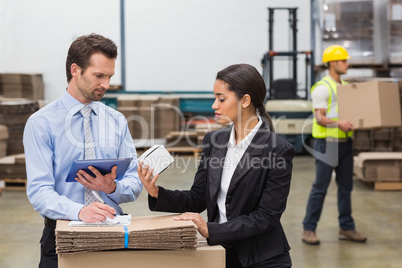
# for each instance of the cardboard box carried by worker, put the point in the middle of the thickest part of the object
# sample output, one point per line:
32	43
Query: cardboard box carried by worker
370	104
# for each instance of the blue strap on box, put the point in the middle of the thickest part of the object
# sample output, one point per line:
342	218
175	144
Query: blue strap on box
125	237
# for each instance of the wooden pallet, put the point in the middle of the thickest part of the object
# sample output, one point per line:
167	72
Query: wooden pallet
14	183
385	185
184	150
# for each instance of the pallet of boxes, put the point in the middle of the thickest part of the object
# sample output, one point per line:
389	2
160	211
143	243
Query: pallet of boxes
145	241
374	108
155	119
150	117
20	95
190	140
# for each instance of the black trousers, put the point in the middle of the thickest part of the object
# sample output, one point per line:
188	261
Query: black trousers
48	258
281	261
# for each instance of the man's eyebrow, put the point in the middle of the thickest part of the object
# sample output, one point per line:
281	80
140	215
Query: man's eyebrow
104	74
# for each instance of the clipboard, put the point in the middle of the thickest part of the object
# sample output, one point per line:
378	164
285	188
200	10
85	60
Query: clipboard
103	165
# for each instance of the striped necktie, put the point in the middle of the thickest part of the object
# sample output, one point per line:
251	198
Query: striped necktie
89	148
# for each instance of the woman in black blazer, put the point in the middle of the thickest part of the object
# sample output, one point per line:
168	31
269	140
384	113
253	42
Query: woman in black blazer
243	179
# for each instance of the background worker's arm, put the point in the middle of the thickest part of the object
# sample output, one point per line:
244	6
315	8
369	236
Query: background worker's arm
323	120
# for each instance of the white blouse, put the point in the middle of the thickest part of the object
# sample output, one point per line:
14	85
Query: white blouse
233	155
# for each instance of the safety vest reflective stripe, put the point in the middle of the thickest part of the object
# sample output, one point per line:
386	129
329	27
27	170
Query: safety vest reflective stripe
331	112
332	109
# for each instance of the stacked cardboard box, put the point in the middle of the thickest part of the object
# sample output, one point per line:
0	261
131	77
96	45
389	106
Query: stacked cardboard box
146	232
182	139
395	31
375	140
397	140
359	26
379	167
203	256
382	139
14	114
13	167
203	128
150	116
362	141
29	86
168	115
3	140
379	137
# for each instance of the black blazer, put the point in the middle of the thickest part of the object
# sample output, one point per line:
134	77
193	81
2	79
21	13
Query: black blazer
256	197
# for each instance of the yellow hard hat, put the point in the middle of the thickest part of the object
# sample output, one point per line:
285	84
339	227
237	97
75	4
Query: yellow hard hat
334	52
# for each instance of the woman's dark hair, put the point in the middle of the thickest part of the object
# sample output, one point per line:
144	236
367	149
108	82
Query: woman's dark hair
245	79
84	47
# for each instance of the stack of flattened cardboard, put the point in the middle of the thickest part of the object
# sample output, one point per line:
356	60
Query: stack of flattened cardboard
395	31
14	114
13	166
148	232
3	140
17	85
379	166
150	116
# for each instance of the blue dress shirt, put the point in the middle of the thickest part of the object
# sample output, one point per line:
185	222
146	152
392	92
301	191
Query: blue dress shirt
54	138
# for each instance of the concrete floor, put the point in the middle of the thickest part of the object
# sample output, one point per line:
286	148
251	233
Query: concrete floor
378	214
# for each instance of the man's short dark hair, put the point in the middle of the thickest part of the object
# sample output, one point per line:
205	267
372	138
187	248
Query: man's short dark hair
84	47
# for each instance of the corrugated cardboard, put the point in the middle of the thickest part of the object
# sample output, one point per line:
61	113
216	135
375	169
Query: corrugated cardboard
203	257
370	104
11	168
151	232
15	85
373	166
389	173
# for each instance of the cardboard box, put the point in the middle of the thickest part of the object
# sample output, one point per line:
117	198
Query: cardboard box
145	232
10	168
14	85
370	104
127	101
373	167
153	241
204	256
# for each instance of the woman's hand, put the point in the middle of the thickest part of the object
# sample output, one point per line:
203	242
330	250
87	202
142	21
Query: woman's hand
145	174
197	219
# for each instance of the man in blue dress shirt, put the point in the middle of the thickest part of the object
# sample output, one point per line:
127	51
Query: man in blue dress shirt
54	138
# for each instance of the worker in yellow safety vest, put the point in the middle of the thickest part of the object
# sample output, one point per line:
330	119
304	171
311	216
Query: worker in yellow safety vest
332	150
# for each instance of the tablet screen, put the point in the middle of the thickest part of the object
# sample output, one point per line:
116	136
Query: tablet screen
103	165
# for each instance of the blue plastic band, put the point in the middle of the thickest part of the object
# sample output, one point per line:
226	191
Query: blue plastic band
125	237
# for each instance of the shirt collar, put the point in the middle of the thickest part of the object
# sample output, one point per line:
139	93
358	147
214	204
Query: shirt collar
74	106
247	140
330	77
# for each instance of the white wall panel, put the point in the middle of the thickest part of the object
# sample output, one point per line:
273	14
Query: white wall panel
170	45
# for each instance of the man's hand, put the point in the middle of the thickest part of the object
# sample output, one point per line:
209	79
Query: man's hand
104	183
345	125
96	212
197	219
323	120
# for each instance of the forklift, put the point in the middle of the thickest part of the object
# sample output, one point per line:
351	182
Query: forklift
288	105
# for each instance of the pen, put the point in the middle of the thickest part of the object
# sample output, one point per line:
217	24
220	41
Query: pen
97	196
